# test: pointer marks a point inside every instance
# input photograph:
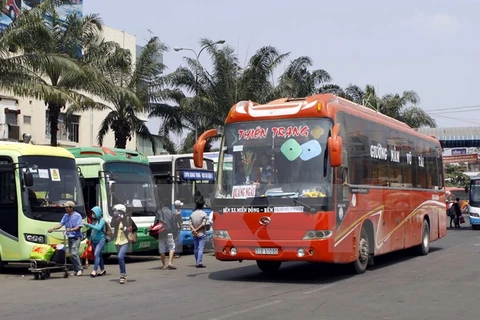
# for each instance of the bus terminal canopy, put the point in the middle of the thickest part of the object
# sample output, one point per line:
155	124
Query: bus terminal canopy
467	137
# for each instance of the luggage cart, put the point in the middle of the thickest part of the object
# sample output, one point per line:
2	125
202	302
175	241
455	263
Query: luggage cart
42	269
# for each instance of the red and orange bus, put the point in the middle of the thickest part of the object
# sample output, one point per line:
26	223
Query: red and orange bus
323	179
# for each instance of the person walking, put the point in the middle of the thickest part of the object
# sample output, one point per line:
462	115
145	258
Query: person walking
97	240
72	220
123	225
166	240
198	223
457	210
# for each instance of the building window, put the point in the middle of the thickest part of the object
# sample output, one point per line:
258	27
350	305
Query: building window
27	119
67	130
11	117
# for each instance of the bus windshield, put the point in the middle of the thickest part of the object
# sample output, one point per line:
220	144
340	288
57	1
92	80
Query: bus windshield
474	200
193	182
55	182
275	159
133	187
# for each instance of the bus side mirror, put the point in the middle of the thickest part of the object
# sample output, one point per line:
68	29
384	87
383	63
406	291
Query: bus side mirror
81	177
466	189
111	186
335	147
199	147
28	178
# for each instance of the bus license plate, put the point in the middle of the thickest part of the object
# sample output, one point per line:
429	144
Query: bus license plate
266	251
144	245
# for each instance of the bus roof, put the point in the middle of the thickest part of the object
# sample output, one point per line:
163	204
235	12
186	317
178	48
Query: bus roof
169	157
109	154
35	150
316	106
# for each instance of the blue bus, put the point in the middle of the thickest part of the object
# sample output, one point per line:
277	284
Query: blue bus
177	178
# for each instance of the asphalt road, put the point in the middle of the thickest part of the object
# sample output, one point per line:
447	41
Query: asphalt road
443	285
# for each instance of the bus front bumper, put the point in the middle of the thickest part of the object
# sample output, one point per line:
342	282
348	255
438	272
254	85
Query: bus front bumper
284	250
474	221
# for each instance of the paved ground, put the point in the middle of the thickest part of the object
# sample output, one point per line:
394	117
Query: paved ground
442	285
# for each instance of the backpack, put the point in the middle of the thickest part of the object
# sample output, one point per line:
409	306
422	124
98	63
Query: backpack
108	232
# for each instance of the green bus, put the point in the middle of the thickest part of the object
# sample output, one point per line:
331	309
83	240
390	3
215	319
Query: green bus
119	176
35	182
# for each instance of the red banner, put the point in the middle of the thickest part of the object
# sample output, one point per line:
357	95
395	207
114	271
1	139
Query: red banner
470	158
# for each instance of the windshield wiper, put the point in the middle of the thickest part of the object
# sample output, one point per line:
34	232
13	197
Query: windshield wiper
38	216
312	209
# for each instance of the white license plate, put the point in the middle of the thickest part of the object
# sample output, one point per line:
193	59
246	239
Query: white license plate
266	251
144	245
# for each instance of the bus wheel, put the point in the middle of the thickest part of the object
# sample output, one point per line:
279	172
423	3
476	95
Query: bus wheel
269	266
360	265
424	246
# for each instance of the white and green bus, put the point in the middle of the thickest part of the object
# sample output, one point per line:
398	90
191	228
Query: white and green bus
119	176
35	183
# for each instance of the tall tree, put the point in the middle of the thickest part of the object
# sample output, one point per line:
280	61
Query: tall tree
402	107
212	93
297	81
140	88
256	82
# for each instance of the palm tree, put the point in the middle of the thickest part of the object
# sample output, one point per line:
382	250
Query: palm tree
139	89
402	107
256	81
297	81
213	92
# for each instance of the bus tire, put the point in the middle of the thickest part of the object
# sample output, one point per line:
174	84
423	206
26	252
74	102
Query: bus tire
359	266
424	247
269	266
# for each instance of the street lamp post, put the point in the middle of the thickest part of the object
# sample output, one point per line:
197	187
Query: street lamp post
197	58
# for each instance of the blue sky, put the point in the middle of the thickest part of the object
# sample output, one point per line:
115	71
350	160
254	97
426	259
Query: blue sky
428	46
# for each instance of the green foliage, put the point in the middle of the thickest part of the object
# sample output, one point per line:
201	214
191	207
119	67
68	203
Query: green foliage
454	176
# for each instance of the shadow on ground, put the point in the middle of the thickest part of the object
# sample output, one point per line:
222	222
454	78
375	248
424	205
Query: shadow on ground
306	272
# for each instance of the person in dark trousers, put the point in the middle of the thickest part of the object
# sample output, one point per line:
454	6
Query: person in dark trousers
457	210
73	222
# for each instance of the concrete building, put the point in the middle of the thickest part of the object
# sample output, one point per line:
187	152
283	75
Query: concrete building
30	116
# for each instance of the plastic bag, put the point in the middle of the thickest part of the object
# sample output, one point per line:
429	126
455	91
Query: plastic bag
42	252
88	252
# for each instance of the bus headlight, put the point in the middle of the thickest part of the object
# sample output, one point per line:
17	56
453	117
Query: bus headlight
36	238
474	214
317	234
221	234
185	227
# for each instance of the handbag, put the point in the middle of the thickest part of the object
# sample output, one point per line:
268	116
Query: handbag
461	220
132	237
108	232
157	229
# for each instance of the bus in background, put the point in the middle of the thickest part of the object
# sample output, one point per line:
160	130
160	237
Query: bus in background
36	181
452	193
114	176
474	202
227	165
177	178
323	179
